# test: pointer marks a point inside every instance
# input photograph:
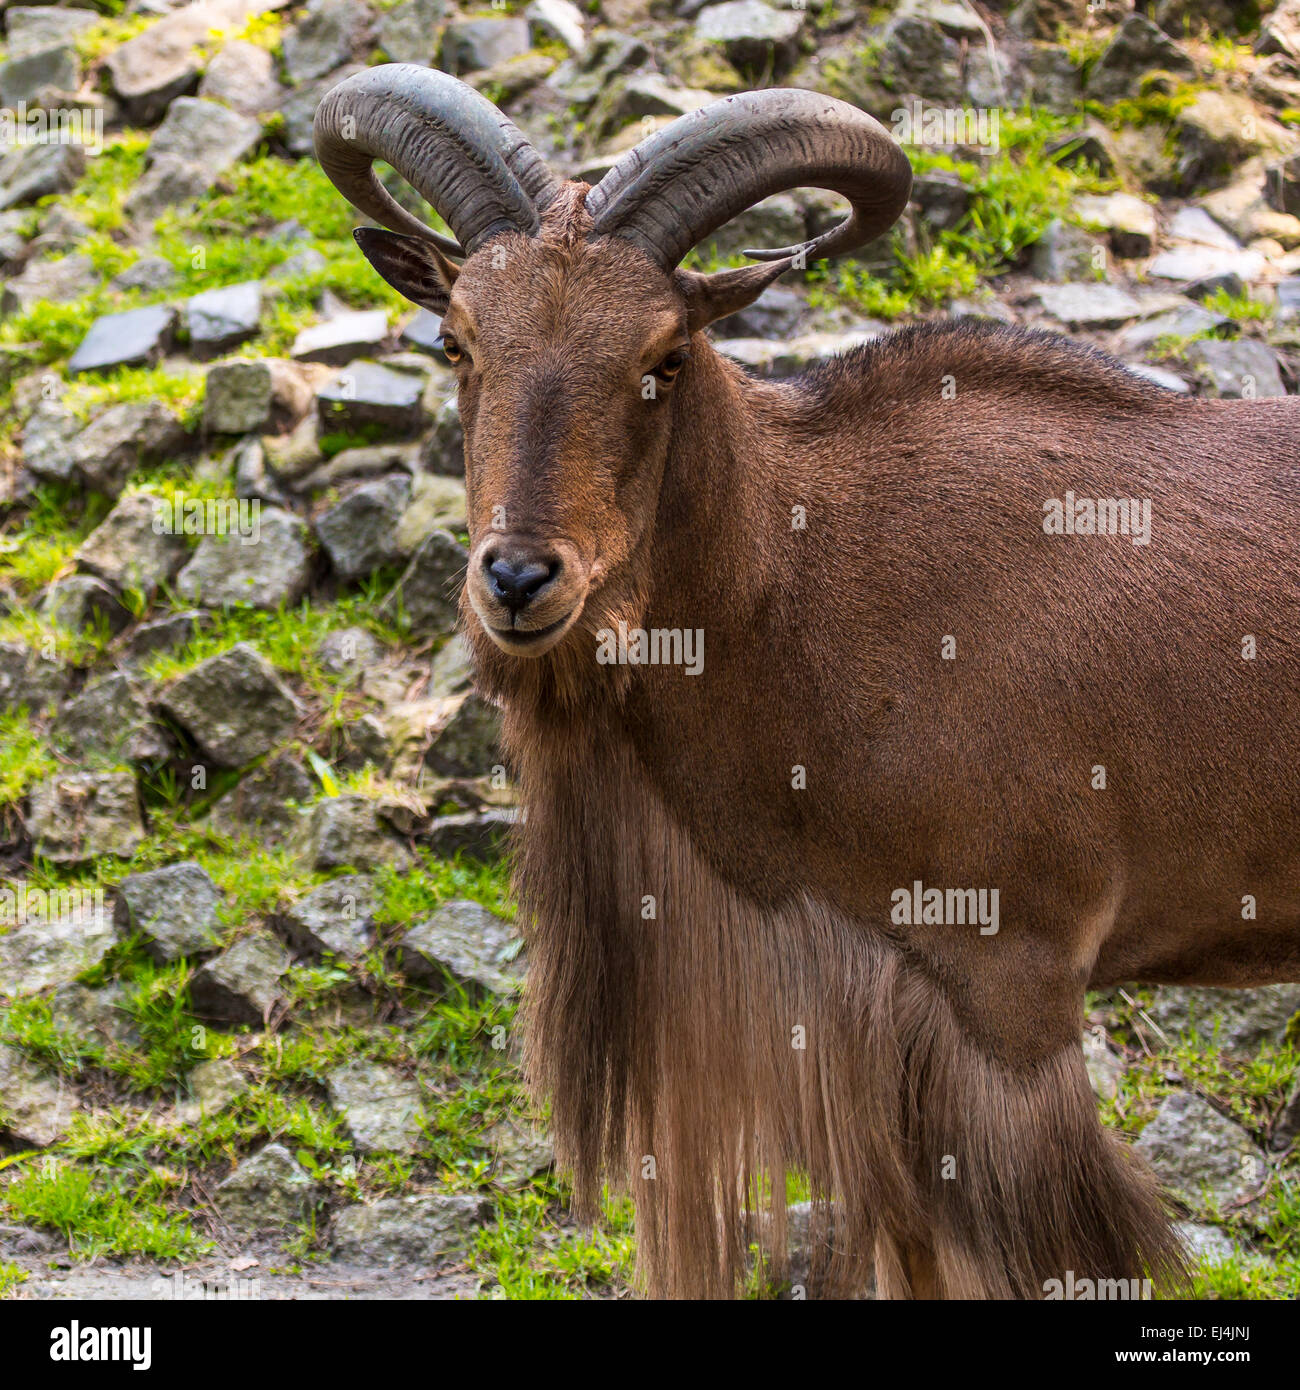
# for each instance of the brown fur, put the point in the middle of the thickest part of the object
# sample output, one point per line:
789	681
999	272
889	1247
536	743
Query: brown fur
940	1108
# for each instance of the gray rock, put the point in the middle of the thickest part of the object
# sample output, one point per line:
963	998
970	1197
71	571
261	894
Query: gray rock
28	79
263	570
408	30
444	448
97	1014
257	395
54	950
110	722
1282	185
1043	19
366	394
471	44
754	36
349	651
1242	367
556	19
1205	1244
242	984
1195	224
382	1109
164	61
271	1190
174	908
481	835
78	816
1129	222
436	504
776	221
39	171
242	76
214	1086
55	282
1240	1019
1090	305
1212	140
47	441
348	832
651	94
1280	33
429	589
1137	47
205	132
338	917
1064	252
423	332
134	338
359	534
1198	1154
468	745
520	1151
164	635
234	705
415	1230
1105	1069
341	339
451	671
1286	1128
1187	322
149	273
586	76
1190	262
323	38
221	319
779	313
36	1106
126	550
170	181
918	59
80	602
125	437
27	679
263	805
467	941
783	359
29	28
944	200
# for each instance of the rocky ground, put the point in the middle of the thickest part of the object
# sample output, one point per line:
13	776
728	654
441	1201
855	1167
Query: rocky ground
258	975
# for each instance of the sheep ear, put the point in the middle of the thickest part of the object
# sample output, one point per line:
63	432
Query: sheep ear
414	267
712	297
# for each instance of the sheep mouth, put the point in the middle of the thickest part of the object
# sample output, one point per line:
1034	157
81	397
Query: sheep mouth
529	641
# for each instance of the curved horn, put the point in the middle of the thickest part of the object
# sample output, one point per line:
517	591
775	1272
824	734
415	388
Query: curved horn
691	177
471	164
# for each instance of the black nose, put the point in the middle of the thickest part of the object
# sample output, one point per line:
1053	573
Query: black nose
516	580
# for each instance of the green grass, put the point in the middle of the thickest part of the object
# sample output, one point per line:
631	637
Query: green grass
101	1213
1013	198
25	757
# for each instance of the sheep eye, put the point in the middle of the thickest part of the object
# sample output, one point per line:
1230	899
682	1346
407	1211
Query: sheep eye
671	365
451	349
